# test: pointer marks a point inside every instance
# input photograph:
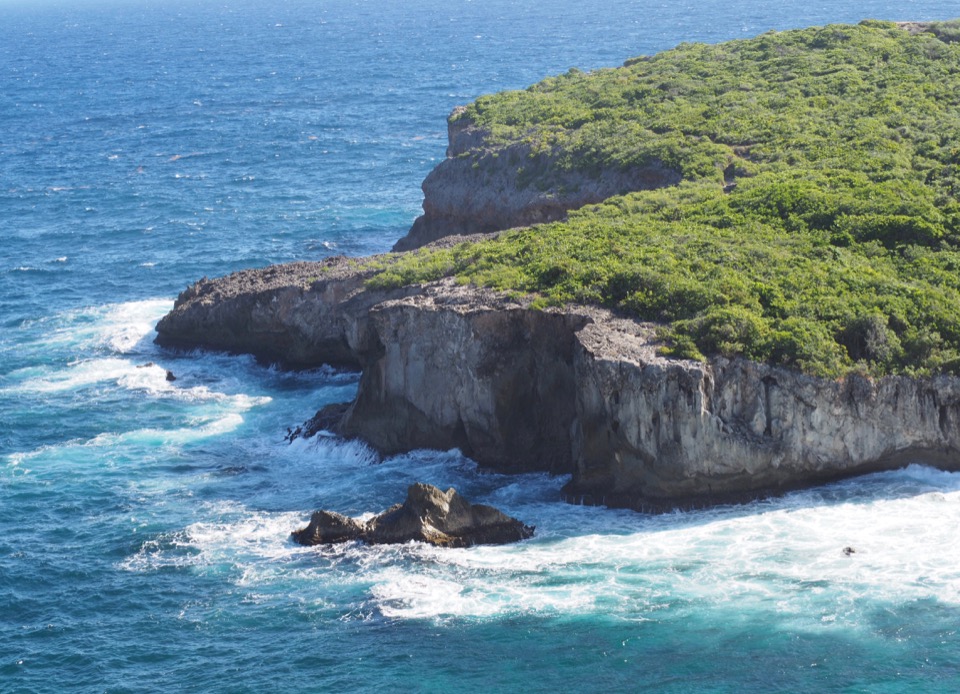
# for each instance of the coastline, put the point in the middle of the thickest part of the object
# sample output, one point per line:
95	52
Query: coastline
577	389
574	391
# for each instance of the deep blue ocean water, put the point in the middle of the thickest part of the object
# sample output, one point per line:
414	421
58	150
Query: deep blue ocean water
144	525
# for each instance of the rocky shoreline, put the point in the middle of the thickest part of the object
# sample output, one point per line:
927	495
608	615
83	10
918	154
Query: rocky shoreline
575	391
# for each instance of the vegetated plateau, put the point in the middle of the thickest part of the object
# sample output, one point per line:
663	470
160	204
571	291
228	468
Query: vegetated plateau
817	223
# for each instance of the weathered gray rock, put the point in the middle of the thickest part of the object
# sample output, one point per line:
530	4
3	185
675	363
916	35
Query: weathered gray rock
444	519
481	187
653	433
462	368
573	391
635	429
301	315
329	527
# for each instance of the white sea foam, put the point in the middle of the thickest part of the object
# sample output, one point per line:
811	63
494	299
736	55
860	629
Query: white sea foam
149	378
785	558
131	440
128	327
85	373
166	437
232	536
118	328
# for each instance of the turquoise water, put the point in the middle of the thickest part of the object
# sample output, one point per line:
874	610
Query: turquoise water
144	524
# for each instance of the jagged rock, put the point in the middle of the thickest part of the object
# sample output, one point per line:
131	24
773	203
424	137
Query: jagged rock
328	527
300	315
328	418
428	515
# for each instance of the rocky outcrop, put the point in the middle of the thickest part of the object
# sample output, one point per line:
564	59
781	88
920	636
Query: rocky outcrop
444	519
300	315
482	187
575	391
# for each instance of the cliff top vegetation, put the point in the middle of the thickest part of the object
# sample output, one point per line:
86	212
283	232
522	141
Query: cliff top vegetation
818	221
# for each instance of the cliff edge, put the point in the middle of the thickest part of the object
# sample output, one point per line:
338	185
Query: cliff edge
483	186
574	391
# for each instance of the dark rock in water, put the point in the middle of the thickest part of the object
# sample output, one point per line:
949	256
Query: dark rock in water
328	527
327	418
170	376
444	519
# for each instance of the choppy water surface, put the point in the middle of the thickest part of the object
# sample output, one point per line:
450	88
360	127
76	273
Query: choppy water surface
144	524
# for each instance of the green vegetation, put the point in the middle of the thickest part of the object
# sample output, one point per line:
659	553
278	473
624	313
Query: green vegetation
818	223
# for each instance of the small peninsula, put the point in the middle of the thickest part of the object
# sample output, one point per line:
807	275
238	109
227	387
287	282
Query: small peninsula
714	273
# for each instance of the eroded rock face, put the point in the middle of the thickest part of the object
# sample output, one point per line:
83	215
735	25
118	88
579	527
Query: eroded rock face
301	315
459	368
576	391
585	392
481	188
654	433
444	519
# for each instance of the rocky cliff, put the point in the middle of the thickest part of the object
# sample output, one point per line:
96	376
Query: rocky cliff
483	187
300	315
576	391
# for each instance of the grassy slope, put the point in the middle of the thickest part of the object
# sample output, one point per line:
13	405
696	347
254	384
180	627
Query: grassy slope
837	248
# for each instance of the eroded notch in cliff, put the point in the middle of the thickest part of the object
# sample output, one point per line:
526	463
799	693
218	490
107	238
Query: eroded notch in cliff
769	385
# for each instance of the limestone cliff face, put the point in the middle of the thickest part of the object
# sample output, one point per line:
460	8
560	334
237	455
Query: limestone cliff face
466	369
481	188
575	391
652	433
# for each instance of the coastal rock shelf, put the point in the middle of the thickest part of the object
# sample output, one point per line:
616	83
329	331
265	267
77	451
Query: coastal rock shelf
574	391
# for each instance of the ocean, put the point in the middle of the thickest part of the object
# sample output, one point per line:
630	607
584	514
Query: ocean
144	523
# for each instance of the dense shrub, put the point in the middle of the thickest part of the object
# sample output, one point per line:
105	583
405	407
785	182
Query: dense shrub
838	244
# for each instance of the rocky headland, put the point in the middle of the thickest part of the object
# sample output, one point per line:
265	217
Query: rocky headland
574	391
484	187
588	392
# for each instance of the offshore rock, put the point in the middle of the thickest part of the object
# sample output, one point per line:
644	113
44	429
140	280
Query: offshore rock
328	527
481	187
444	519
